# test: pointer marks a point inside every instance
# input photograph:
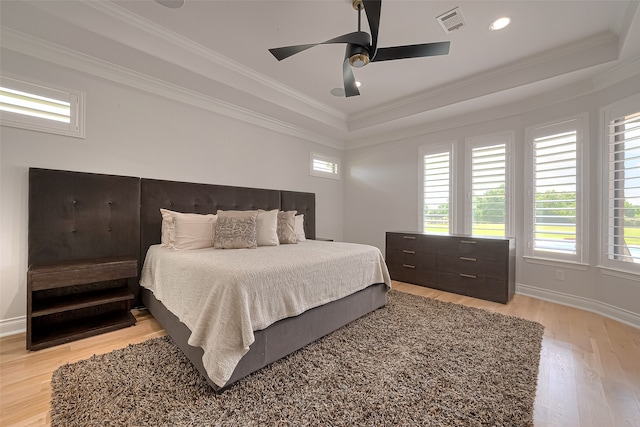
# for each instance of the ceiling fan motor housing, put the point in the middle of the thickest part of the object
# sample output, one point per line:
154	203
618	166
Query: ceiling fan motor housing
358	55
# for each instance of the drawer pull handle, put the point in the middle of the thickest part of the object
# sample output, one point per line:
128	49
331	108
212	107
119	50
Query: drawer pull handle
408	266
470	276
408	252
470	242
464	258
409	237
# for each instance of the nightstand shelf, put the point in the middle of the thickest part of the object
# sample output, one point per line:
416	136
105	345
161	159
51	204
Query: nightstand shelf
71	300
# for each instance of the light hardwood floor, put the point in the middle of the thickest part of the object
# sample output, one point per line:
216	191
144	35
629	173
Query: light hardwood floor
589	367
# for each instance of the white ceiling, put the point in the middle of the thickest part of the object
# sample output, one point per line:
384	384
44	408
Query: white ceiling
218	49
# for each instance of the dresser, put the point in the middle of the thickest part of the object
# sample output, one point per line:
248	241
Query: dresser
479	267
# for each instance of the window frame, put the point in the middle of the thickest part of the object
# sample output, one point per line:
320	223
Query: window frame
582	143
506	138
608	113
328	159
75	128
426	150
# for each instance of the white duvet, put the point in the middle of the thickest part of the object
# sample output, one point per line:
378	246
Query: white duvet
224	295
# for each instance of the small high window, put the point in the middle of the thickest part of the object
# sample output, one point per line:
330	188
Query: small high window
324	166
35	107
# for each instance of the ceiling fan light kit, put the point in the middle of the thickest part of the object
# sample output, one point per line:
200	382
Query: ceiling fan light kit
362	48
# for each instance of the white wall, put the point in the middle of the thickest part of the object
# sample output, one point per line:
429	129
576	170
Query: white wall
382	193
135	133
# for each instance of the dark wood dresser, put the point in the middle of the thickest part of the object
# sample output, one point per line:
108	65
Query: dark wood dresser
479	267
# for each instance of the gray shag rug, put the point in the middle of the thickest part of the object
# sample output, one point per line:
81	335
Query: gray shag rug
416	362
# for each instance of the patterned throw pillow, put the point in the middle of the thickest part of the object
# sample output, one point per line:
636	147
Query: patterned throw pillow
287	227
236	230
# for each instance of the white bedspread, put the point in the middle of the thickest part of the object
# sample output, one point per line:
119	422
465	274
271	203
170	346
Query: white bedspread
224	295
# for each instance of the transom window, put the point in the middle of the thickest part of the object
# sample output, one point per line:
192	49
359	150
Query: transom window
35	107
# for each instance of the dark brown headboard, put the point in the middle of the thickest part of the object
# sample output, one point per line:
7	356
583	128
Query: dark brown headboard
206	198
76	215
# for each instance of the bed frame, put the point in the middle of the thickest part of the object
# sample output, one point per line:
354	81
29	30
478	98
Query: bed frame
143	226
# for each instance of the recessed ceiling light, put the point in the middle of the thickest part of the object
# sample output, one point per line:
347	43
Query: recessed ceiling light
358	84
500	23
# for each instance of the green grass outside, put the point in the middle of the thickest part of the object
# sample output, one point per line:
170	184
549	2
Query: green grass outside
631	234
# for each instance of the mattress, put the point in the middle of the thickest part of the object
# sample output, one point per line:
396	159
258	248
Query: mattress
223	296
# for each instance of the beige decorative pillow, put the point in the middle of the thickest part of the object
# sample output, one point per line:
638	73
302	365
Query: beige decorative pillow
193	231
236	230
168	229
267	228
299	228
286	227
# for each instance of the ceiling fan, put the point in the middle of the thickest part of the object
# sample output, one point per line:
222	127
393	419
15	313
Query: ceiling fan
362	48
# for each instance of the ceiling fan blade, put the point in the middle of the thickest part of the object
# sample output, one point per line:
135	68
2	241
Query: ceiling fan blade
359	38
372	9
284	52
411	51
350	87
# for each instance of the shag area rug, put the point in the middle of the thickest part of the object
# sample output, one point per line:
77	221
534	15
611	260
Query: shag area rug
416	362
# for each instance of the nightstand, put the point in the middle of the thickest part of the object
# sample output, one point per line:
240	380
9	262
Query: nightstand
71	300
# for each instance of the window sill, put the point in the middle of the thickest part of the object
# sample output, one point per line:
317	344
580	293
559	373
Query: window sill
556	263
623	274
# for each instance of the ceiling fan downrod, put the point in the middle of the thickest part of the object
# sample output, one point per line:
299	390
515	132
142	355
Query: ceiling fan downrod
359	56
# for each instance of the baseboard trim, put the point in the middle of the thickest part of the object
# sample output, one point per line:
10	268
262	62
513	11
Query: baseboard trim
13	326
619	314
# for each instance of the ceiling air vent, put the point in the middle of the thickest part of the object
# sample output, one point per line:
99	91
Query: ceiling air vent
452	20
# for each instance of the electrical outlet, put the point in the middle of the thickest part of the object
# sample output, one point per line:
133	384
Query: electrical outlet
559	274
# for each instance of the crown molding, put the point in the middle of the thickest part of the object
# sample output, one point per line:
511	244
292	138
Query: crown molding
618	73
595	50
115	23
68	58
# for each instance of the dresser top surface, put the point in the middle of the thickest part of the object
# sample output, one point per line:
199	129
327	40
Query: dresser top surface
468	236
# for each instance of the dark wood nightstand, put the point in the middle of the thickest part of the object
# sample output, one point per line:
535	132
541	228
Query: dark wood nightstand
67	301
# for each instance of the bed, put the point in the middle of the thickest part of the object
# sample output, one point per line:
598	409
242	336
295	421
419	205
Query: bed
78	216
347	293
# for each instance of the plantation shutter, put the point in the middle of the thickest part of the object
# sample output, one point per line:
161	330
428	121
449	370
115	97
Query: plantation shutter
488	185
555	181
35	107
436	193
624	188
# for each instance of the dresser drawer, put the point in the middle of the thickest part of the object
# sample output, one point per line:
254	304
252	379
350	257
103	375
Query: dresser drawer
411	242
473	286
411	257
412	273
495	250
473	266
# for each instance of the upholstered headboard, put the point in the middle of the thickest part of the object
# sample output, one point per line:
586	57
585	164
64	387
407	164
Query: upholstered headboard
76	215
206	198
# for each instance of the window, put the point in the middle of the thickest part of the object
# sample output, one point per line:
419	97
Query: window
324	166
29	106
437	192
622	186
554	196
487	185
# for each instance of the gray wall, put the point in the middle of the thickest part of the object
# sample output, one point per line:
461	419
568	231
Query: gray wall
131	132
382	193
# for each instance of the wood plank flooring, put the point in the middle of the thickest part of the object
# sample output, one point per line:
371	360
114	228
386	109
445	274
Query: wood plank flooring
589	368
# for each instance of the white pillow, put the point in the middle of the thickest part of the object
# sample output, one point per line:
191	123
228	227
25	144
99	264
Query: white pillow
267	228
299	228
192	231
